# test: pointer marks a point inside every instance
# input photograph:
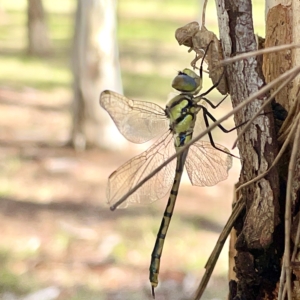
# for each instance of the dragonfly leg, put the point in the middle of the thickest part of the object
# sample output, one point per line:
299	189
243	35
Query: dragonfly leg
209	102
212	87
207	114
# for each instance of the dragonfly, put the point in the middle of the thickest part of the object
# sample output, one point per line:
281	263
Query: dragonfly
206	162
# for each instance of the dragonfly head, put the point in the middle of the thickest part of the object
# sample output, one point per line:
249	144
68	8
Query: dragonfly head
187	81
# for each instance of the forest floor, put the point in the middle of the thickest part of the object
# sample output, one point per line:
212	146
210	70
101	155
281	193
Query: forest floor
58	232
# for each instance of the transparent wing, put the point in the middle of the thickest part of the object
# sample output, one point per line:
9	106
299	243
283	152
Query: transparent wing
138	121
200	124
206	166
133	171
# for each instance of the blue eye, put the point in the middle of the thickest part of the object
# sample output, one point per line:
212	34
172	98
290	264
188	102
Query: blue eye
184	83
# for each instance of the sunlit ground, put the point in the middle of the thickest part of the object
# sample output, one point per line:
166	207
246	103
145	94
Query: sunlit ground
57	231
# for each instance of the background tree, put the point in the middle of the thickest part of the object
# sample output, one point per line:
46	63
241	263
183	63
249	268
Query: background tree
95	68
38	38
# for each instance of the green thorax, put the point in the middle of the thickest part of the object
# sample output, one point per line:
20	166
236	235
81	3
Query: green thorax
182	114
182	110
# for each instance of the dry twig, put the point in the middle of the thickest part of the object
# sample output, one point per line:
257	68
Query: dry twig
210	265
286	267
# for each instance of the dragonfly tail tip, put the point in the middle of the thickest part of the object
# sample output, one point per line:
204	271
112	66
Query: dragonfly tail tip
152	292
112	208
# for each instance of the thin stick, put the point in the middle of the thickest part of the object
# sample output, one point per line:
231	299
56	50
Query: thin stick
288	205
282	286
203	13
227	61
255	95
271	97
281	292
297	238
289	121
210	265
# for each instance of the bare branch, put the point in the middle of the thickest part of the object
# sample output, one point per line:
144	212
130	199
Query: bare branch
210	265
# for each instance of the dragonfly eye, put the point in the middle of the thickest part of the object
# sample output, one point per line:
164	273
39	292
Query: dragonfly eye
184	83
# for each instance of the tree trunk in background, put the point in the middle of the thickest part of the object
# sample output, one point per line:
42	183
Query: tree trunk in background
260	230
38	39
95	68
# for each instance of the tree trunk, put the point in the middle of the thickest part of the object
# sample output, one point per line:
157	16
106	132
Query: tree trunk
95	68
260	230
38	38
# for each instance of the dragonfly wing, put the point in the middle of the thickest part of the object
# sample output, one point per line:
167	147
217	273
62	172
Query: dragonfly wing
200	124
138	121
206	166
133	171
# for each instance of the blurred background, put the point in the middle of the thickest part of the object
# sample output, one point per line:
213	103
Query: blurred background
59	240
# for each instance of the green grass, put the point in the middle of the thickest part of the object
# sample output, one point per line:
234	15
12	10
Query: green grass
11	282
13	32
61	31
46	73
146	30
12	165
169	8
153	23
51	6
21	70
148	82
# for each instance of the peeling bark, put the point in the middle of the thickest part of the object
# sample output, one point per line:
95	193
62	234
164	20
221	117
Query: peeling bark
278	32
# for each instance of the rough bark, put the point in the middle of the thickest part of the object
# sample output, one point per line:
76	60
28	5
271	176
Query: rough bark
259	234
282	21
38	38
95	68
